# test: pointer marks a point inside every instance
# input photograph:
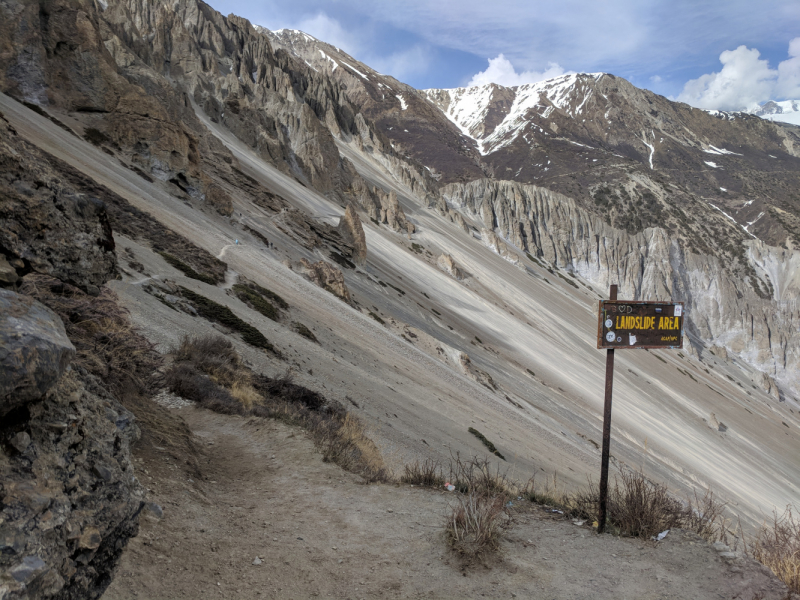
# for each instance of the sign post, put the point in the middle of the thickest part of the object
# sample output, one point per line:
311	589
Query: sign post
630	325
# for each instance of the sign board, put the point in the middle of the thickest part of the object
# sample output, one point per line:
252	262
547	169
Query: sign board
625	325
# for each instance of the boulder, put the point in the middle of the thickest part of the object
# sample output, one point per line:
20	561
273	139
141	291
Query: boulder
34	350
446	263
352	233
326	276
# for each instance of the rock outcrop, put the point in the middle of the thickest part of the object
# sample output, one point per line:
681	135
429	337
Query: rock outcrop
352	232
326	276
47	226
69	500
726	302
446	263
34	350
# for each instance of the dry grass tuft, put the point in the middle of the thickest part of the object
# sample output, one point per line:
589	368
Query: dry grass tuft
246	394
428	473
637	507
476	524
107	345
777	545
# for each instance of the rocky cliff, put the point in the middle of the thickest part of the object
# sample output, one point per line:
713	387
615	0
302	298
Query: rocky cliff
750	306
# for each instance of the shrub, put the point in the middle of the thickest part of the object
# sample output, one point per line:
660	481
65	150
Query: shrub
377	318
428	473
284	388
489	445
256	301
269	294
187	270
476	524
777	545
213	311
209	371
301	329
106	343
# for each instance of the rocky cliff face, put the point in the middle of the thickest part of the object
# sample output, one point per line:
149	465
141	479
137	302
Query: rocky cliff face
68	495
750	321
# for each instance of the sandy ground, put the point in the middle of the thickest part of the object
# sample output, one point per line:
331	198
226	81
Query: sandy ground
260	491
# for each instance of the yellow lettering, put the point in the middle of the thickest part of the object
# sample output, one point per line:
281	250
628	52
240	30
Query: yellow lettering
661	322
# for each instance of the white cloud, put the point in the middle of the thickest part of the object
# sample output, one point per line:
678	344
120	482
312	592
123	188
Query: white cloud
656	79
788	86
502	72
329	30
403	64
745	81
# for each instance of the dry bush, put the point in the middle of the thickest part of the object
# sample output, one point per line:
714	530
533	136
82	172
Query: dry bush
107	345
636	507
639	507
777	545
476	524
283	387
549	493
246	394
428	473
213	355
476	475
705	516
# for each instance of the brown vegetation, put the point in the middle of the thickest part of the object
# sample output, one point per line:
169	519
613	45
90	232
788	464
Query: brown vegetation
209	371
777	545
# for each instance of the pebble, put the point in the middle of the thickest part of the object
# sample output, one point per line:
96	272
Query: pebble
390	510
257	561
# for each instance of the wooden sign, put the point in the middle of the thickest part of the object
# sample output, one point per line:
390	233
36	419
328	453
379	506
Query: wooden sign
627	325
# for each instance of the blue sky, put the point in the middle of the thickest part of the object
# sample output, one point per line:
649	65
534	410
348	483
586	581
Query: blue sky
656	44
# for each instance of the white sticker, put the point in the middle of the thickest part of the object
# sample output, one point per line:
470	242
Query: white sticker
610	336
678	310
609	323
631	339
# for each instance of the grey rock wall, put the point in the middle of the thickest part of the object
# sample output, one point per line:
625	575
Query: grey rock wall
722	307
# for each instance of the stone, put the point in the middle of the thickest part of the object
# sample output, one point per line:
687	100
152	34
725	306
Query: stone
352	232
257	561
155	509
21	441
326	276
29	569
8	274
446	263
11	540
90	539
34	350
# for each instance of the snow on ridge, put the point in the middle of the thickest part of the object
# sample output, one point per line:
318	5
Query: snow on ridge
352	68
468	106
335	64
714	150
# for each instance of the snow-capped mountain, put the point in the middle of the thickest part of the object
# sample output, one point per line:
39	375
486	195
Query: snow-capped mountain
785	111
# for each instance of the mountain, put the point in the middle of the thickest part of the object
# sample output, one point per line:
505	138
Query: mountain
784	111
433	259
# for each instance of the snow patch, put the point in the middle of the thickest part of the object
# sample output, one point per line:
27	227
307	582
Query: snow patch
711	164
715	150
403	104
352	68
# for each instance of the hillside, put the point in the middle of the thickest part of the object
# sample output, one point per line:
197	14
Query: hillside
426	297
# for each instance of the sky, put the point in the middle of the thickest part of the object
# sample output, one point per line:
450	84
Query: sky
723	54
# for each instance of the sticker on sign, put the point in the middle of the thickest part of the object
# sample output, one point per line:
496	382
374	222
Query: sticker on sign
623	324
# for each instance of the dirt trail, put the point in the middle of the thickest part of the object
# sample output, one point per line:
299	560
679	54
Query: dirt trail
263	491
